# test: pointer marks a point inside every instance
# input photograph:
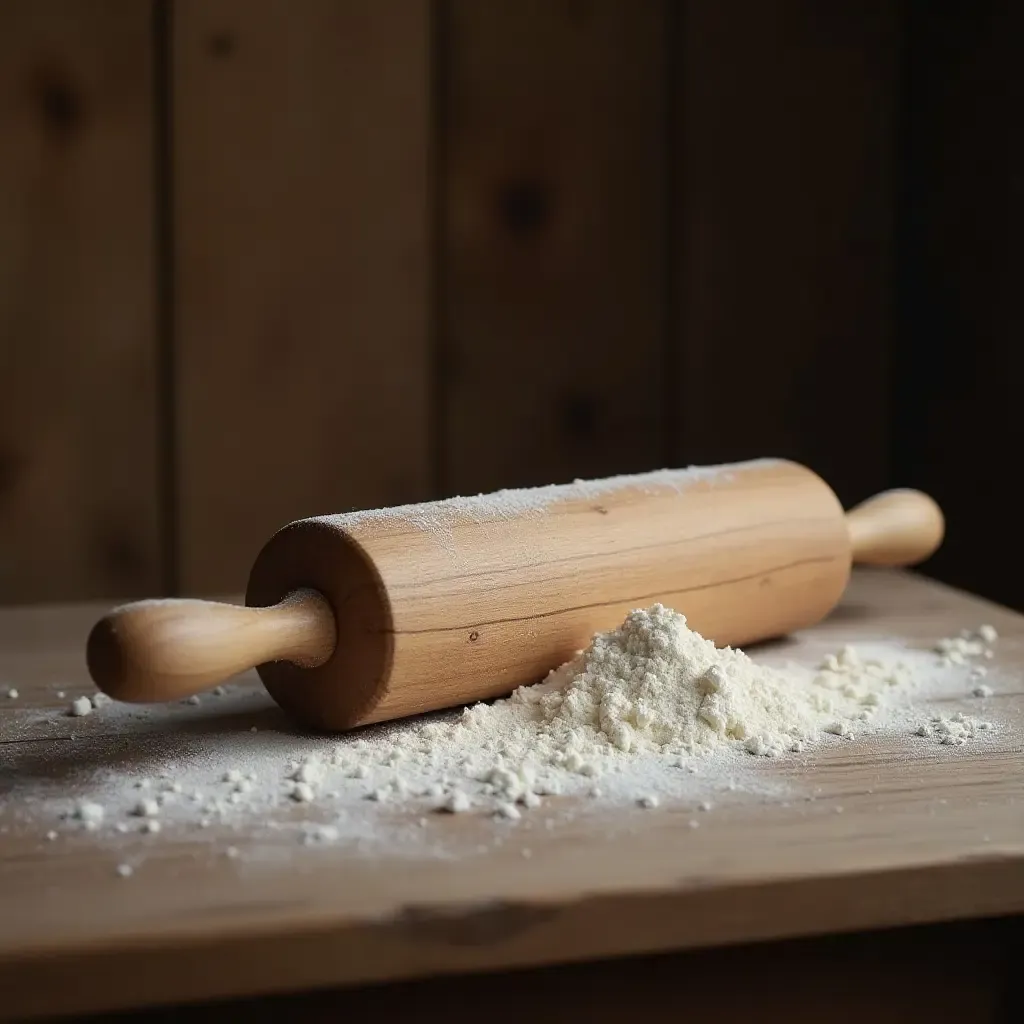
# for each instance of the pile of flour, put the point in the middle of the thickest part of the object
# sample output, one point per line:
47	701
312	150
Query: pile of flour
653	694
650	712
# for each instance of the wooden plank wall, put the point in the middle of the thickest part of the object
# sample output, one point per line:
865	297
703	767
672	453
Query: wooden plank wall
553	248
419	247
302	267
79	505
958	432
786	134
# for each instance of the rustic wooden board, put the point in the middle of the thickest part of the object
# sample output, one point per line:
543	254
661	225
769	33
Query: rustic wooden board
783	183
926	833
302	217
552	247
79	502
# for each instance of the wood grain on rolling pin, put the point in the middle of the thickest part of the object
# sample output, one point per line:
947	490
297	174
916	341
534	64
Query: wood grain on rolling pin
442	604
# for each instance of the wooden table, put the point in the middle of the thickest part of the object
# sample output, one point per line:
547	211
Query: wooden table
925	834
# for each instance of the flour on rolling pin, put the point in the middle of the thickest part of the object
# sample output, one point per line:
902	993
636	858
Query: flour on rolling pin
438	518
649	714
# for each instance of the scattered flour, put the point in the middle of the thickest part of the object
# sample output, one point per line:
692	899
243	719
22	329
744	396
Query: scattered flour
955	730
649	714
956	650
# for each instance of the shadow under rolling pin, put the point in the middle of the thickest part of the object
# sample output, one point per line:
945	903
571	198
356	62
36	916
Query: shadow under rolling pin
369	616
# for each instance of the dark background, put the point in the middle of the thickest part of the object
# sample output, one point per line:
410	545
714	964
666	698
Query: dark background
262	260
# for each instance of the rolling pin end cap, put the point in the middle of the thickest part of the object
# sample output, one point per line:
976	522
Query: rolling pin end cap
901	527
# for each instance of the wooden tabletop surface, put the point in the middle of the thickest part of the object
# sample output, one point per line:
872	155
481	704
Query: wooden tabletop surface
857	835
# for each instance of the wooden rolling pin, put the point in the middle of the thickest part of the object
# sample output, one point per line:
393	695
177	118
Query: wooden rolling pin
369	616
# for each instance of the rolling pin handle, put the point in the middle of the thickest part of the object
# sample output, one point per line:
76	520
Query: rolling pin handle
896	528
168	649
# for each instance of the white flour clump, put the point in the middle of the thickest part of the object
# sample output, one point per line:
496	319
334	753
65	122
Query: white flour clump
80	707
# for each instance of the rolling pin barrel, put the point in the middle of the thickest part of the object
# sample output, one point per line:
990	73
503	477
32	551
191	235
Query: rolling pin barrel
364	617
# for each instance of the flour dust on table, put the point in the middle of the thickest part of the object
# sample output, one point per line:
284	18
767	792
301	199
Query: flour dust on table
650	715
